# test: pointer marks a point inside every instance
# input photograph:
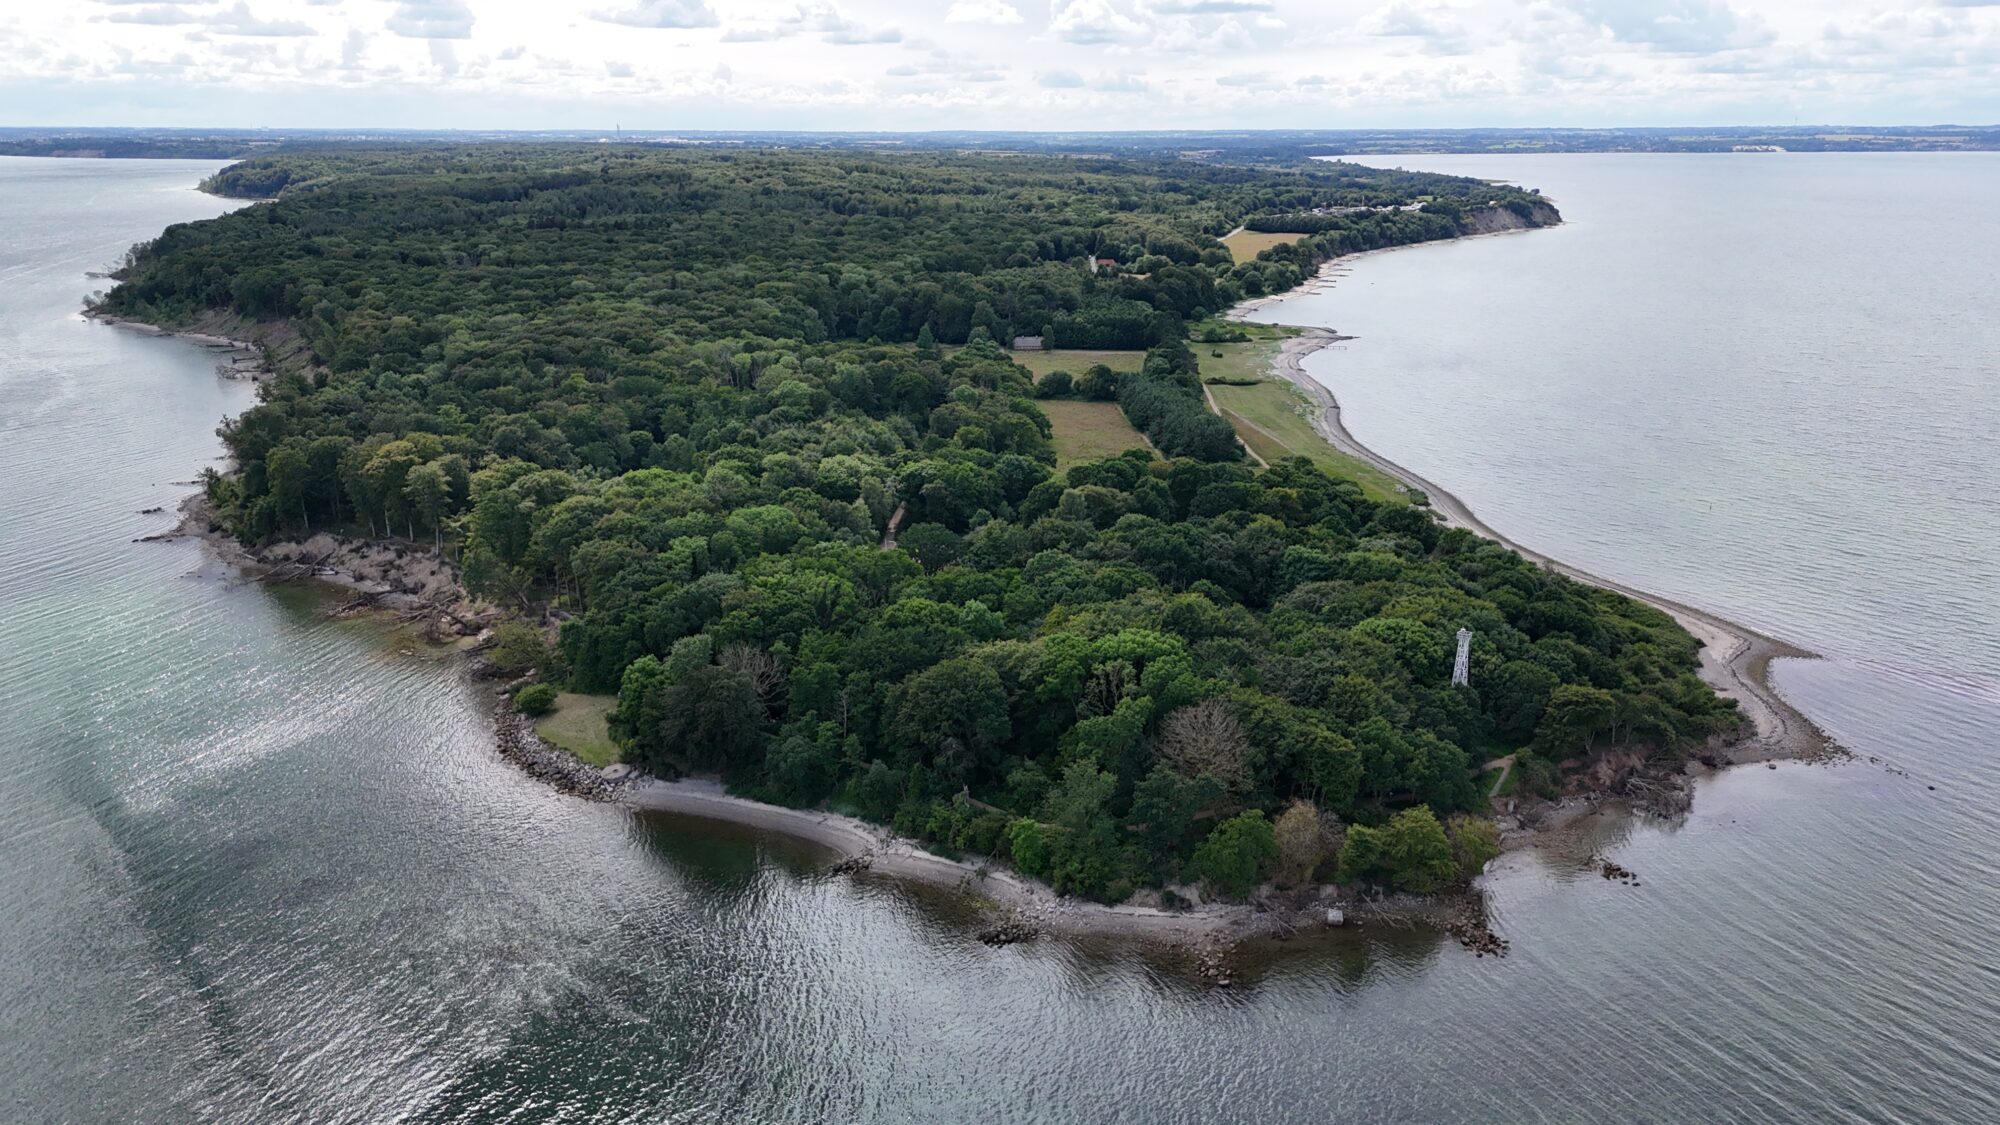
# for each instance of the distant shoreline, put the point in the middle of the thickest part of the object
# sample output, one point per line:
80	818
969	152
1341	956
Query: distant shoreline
1735	659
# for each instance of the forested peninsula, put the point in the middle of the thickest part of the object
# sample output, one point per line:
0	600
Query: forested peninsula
736	436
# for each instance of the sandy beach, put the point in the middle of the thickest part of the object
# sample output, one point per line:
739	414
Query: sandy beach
868	847
247	349
1333	269
240	359
1735	660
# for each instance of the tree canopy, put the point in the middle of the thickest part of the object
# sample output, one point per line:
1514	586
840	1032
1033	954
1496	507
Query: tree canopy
681	395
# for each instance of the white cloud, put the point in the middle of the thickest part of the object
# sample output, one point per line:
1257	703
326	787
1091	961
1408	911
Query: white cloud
165	15
1208	7
660	13
821	17
983	11
1091	22
432	19
237	20
1438	31
1114	64
241	21
858	36
1690	26
1121	83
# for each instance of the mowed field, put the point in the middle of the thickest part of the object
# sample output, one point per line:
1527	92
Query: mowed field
1245	245
1089	431
1268	418
1247	360
1266	413
578	726
1250	359
1076	361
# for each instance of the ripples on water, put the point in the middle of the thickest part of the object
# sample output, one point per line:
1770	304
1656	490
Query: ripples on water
261	866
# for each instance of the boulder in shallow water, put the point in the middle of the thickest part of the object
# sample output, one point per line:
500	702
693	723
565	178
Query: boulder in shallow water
1009	930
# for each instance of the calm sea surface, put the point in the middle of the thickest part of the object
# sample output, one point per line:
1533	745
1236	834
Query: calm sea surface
255	865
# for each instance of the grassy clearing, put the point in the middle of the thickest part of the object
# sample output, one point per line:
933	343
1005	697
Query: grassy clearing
1089	431
1245	245
1267	413
1267	448
1076	361
1242	360
1237	362
1269	417
578	726
1200	329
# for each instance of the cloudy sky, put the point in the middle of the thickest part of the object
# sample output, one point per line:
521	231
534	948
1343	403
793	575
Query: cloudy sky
1031	64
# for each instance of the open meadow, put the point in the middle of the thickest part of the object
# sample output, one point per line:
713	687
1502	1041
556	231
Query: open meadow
1089	431
1245	245
578	726
1268	416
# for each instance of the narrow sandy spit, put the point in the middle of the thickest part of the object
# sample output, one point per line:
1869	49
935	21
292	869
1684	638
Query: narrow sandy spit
864	846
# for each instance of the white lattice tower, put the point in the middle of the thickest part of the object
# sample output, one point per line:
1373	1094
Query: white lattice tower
1461	669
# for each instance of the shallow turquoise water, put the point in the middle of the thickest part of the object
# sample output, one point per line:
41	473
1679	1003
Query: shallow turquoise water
255	865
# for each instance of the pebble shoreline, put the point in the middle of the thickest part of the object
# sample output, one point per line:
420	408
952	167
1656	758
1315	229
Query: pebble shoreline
514	736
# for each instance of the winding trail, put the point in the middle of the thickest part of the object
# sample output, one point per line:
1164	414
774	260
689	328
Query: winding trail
1735	660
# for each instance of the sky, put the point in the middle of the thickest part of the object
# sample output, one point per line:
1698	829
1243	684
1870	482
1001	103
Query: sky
995	64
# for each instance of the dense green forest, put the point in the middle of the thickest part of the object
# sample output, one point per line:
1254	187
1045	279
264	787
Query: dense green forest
684	400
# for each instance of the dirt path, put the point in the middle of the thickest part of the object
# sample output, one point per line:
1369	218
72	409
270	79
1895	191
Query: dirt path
895	524
1216	409
1735	660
